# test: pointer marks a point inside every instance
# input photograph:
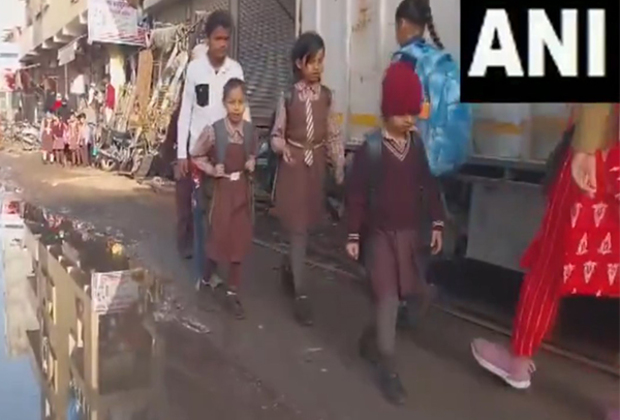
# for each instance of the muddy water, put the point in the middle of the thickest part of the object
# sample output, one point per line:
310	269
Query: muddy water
152	361
19	389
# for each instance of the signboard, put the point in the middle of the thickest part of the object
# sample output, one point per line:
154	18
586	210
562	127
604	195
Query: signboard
115	22
114	291
67	53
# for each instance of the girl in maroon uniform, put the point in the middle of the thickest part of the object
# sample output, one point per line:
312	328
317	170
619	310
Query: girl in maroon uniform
389	181
307	138
47	139
58	133
226	151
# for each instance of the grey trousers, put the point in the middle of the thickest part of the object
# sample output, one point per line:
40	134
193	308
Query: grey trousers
297	259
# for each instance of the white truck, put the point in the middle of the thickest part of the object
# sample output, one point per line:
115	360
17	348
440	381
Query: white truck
496	201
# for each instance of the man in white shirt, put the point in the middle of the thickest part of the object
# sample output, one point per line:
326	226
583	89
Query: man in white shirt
202	101
202	105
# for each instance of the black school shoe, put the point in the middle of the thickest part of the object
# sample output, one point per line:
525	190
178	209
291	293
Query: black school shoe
286	279
412	310
389	383
368	346
302	311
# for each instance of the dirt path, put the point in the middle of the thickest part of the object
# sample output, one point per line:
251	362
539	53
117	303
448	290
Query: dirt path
306	373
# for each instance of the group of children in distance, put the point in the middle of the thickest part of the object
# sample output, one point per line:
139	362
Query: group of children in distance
388	183
66	141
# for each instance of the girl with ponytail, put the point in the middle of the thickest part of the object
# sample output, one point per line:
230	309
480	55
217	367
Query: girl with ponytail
413	17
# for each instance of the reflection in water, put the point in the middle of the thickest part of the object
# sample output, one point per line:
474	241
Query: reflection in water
93	350
107	350
19	393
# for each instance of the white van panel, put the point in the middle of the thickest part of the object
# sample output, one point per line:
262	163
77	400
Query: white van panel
360	39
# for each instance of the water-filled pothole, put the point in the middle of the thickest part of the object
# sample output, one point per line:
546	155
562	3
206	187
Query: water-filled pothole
113	338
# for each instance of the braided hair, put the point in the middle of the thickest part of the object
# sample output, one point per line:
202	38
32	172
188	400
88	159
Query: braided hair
418	12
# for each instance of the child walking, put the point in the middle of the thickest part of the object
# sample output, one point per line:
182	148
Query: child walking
84	135
47	139
225	151
72	139
58	132
389	180
307	138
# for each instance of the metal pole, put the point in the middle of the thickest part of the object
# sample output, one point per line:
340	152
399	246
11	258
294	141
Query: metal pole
233	8
297	17
66	80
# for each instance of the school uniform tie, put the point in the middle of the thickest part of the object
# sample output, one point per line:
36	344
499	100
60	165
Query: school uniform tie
308	154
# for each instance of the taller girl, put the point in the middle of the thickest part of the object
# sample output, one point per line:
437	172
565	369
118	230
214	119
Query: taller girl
308	139
444	123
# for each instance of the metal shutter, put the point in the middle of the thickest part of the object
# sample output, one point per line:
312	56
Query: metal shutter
266	35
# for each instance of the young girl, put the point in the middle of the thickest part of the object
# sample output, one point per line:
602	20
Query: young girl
307	139
72	139
84	136
389	179
575	252
226	152
413	18
58	132
47	139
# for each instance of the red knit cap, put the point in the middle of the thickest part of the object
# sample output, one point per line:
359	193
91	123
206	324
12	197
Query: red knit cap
402	91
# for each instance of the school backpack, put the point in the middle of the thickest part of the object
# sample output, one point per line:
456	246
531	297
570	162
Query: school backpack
221	143
445	123
221	138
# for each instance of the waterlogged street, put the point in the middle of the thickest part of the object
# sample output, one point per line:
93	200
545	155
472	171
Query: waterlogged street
19	386
179	356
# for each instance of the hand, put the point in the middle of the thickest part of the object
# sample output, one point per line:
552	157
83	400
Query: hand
287	155
182	167
353	249
583	170
250	165
278	144
436	242
219	171
339	175
210	170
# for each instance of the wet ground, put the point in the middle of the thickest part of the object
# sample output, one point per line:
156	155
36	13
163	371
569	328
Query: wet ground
19	389
266	366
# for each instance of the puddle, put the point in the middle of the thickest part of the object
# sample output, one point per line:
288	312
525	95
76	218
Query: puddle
106	339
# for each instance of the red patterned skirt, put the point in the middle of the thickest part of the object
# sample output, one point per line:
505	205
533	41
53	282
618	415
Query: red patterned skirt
580	235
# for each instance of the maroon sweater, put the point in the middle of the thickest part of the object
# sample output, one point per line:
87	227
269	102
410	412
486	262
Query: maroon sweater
404	192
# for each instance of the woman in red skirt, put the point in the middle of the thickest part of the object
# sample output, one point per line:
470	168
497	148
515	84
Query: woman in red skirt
577	249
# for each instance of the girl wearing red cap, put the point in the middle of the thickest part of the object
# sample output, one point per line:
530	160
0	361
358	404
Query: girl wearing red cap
389	180
307	137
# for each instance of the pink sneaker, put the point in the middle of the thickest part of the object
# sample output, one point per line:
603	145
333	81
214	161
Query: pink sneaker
515	371
613	414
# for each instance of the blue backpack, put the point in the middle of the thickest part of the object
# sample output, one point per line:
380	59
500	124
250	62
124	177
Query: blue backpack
446	132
